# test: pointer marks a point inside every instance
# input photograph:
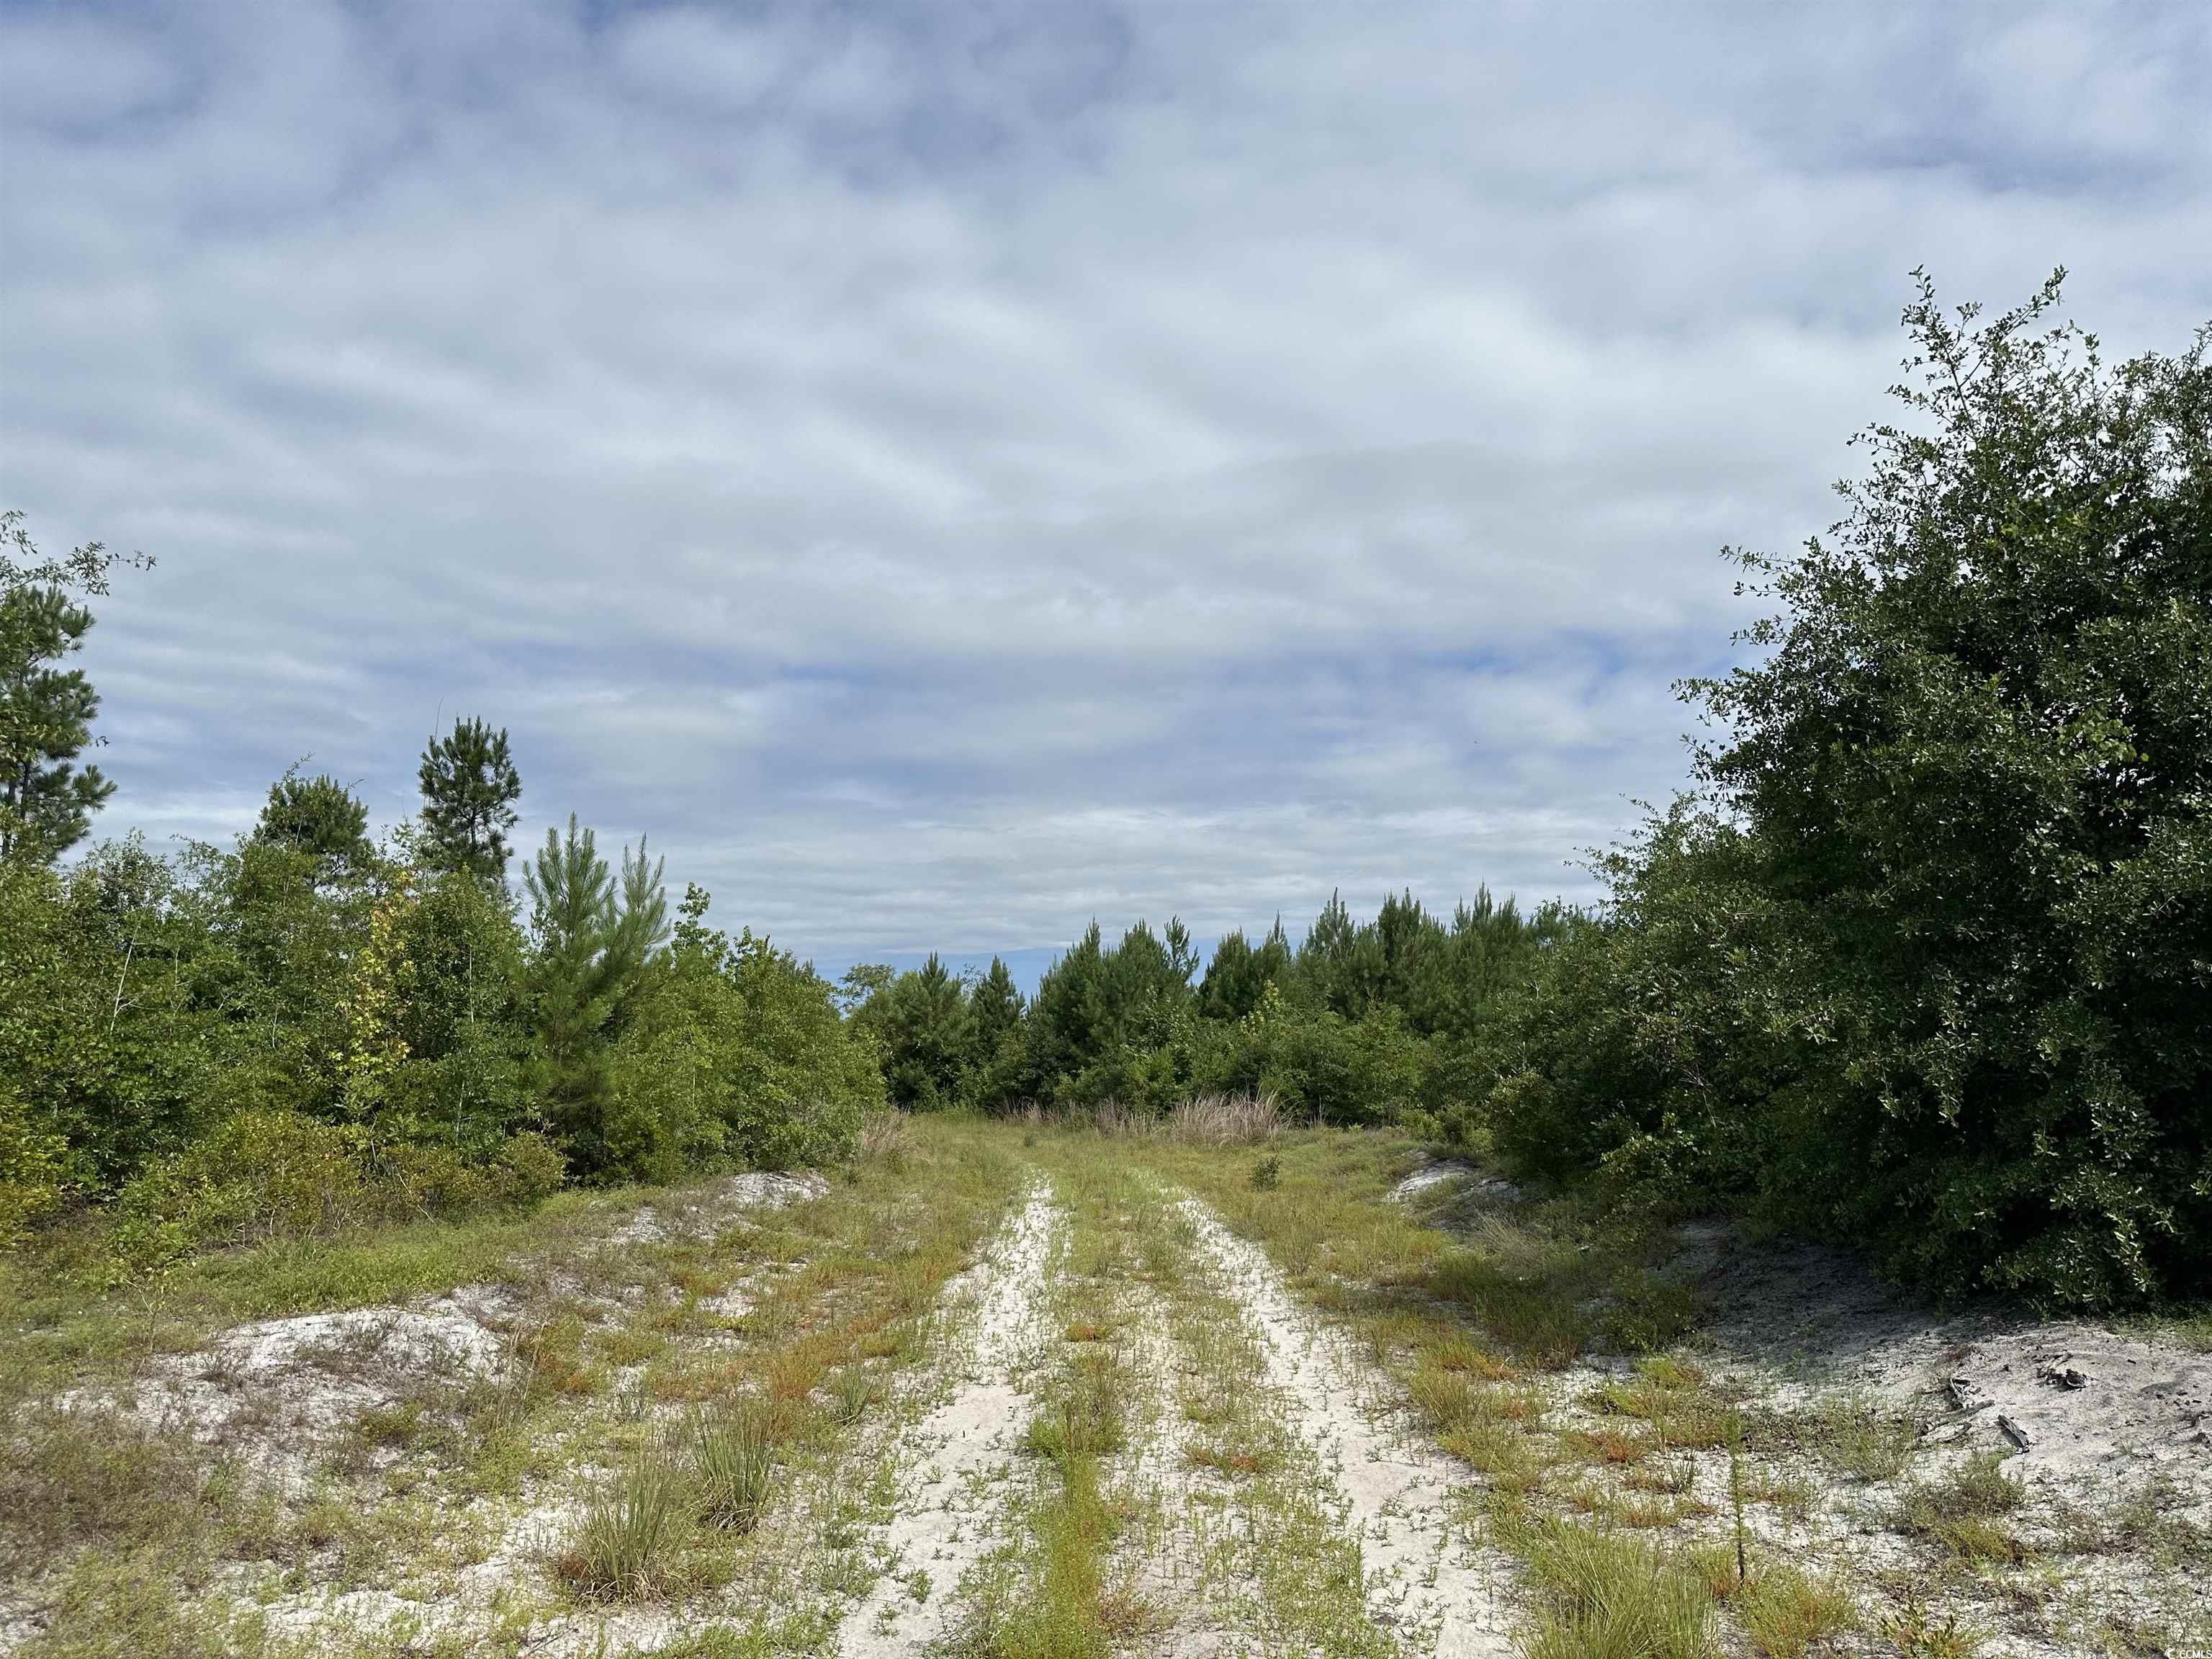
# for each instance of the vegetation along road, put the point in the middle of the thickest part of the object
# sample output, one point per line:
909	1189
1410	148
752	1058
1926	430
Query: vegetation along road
1015	1387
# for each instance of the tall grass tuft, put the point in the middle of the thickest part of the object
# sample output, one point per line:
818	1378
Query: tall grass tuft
883	1140
733	1455
1610	1596
1226	1120
633	1528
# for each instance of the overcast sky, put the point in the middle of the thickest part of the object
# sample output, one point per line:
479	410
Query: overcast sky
949	472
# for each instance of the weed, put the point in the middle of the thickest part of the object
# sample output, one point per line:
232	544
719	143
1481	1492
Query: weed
1268	1173
1916	1633
1857	1438
1959	1511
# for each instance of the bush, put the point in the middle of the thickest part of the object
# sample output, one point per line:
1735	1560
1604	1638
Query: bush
30	1167
260	1174
1925	968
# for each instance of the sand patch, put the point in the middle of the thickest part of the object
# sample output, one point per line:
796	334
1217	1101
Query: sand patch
280	1393
957	1457
1423	1582
2079	1407
709	1208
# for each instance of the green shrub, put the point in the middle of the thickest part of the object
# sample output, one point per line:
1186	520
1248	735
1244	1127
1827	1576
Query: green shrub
1923	967
260	1174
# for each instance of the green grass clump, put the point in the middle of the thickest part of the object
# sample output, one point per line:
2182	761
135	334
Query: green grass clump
1609	1595
1860	1440
732	1459
633	1530
852	1391
1960	1510
1785	1613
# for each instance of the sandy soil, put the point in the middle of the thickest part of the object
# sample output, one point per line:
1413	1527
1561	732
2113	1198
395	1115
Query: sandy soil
2081	1409
1424	1580
2092	1418
954	1459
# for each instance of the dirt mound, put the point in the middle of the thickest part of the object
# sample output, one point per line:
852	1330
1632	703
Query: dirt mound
2080	1406
280	1391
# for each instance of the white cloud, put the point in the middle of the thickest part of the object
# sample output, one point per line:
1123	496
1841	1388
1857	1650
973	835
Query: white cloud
946	473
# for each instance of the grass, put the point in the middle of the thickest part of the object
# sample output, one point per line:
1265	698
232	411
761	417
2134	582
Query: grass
1470	1308
732	1452
852	1391
1050	1591
140	1541
1862	1440
1605	1595
1788	1615
1961	1511
742	1452
633	1529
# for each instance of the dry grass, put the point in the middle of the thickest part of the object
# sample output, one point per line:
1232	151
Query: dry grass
1226	1120
1211	1121
883	1140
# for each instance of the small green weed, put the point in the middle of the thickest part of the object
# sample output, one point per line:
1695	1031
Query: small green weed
1960	1511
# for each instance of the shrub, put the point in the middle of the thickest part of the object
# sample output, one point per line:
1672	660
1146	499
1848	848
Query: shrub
260	1174
30	1167
1923	964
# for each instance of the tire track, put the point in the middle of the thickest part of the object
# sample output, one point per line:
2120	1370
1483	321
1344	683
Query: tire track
954	1461
1435	1592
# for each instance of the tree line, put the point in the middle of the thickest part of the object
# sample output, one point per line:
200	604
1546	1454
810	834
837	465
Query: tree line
1921	961
311	1026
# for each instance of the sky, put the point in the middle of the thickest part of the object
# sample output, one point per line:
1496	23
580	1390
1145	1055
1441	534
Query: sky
948	472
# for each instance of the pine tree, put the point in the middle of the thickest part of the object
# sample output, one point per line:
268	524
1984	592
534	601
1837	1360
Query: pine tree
319	816
470	787
572	896
995	1010
927	1037
46	801
595	934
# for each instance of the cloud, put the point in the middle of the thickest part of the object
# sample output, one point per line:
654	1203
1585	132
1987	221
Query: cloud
950	471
